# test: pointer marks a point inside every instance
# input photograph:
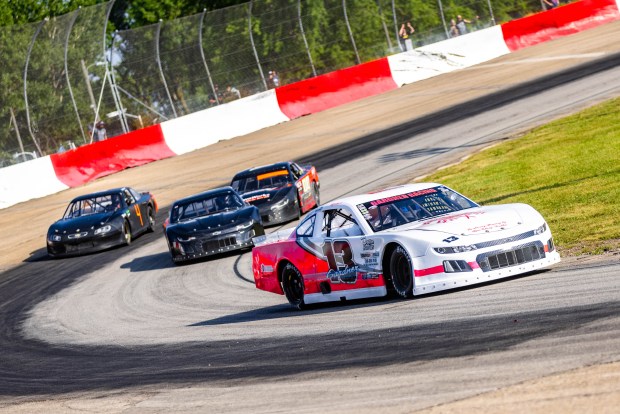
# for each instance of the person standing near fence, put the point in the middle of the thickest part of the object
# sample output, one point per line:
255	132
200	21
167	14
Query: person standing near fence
461	24
551	4
100	134
404	35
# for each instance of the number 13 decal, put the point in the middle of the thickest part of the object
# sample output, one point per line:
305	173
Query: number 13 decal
340	261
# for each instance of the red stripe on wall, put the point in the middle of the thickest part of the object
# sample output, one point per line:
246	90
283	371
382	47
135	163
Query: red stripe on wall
336	88
99	159
562	21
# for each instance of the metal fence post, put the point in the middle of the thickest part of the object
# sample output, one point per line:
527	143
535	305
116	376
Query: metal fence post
491	12
34	37
395	24
443	19
77	113
346	20
161	71
202	55
115	95
260	69
385	29
303	35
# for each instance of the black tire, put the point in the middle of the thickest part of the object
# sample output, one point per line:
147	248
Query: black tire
317	193
293	286
401	273
127	237
151	218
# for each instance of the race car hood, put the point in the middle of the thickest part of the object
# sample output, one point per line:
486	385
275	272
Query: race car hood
213	222
475	221
81	223
266	196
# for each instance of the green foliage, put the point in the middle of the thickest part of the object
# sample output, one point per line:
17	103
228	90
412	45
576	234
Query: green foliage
296	39
568	170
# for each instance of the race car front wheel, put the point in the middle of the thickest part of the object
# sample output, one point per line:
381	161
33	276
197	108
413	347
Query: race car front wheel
401	273
126	234
151	218
293	286
317	194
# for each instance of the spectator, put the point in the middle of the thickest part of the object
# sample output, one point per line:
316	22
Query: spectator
551	4
478	23
454	31
233	92
99	134
460	24
274	80
404	35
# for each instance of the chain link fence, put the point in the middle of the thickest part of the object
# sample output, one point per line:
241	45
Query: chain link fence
64	77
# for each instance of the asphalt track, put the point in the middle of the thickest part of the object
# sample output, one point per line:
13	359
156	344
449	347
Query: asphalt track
200	336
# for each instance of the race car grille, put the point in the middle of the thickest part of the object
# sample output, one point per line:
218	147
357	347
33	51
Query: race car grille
522	254
505	240
212	245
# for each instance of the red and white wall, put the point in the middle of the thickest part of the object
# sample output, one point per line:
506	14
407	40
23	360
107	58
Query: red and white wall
57	172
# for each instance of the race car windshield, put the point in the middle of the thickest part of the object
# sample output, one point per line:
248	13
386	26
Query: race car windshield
203	207
95	205
263	181
385	213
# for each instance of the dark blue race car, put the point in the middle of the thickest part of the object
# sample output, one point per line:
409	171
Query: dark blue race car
212	222
102	220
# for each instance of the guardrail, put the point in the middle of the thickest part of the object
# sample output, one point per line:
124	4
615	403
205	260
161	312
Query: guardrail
50	174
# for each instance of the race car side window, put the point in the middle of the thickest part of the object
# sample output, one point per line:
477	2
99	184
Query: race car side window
340	223
306	228
129	199
297	171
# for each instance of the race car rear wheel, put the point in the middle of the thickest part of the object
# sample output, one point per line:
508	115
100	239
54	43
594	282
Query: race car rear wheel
401	272
293	286
317	193
126	234
151	219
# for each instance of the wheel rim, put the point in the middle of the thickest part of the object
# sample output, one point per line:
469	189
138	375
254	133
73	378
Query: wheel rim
127	233
151	219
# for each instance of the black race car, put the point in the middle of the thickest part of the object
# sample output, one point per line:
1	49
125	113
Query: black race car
282	191
101	220
209	223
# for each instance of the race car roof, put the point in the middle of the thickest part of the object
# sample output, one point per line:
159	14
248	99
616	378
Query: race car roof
204	194
99	193
387	192
262	169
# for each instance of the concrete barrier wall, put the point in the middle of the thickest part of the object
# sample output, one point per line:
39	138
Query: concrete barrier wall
233	119
336	88
28	180
57	172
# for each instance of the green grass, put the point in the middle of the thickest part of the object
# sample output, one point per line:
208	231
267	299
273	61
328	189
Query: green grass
569	170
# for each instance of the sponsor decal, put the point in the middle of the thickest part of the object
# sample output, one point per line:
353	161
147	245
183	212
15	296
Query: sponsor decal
402	197
453	217
347	275
305	183
368	244
256	197
488	227
266	268
138	213
271	174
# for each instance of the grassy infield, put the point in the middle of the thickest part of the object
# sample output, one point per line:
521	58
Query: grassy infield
569	170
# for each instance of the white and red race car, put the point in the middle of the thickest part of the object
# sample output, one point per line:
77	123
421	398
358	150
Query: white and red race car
410	240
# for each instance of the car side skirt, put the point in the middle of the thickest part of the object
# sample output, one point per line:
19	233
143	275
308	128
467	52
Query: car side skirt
335	296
